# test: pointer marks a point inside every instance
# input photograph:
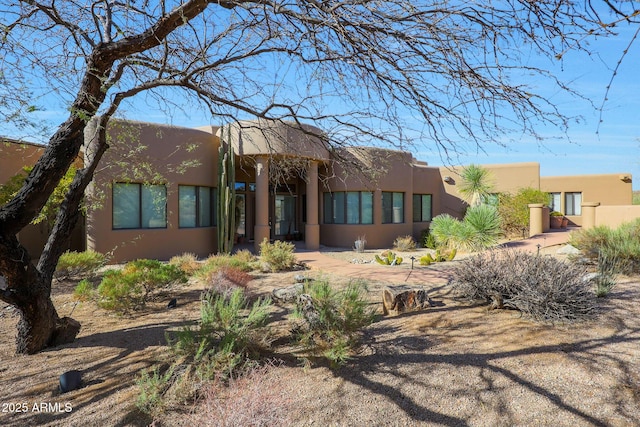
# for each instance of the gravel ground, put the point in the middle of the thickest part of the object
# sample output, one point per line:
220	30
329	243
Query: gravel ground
455	364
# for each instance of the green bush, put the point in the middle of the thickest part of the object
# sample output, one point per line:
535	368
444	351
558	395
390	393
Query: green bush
74	264
152	385
186	262
333	320
84	291
128	289
621	244
514	209
427	240
279	255
542	287
404	243
231	333
242	260
608	268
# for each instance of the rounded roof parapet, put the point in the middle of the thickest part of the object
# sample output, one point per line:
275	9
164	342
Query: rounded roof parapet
271	137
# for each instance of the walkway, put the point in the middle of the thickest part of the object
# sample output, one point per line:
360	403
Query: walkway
419	275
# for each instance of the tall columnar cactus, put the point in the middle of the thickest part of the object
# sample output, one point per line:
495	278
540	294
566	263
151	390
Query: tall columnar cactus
226	195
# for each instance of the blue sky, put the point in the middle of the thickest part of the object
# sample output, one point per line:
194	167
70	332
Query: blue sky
611	146
599	143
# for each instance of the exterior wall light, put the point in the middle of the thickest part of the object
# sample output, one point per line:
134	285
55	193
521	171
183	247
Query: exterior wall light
449	180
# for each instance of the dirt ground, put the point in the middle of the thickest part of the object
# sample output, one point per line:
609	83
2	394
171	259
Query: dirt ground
455	364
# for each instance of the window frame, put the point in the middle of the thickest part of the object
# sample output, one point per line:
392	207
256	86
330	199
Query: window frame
421	217
330	208
143	211
198	206
387	212
575	210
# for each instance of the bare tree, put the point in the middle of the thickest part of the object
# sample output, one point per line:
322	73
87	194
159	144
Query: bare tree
387	73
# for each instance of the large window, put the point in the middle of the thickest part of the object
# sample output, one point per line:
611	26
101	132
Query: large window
572	203
421	207
350	207
139	206
195	206
555	202
392	207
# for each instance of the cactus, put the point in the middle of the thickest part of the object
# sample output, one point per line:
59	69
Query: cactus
388	258
439	257
226	195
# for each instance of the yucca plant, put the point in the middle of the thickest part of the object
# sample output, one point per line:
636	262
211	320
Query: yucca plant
475	184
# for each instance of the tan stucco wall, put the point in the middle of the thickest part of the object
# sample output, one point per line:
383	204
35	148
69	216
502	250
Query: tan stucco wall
606	189
614	216
14	156
392	171
167	149
507	178
276	138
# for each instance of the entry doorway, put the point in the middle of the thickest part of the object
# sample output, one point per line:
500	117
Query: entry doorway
284	225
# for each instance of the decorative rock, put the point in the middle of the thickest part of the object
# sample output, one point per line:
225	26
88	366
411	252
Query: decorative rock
568	250
299	278
70	380
289	294
414	299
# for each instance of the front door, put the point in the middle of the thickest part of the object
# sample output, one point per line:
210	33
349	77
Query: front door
285	216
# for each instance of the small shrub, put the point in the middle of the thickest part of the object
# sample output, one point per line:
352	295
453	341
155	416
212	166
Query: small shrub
152	386
186	262
74	264
427	240
279	255
226	280
333	320
258	397
230	333
84	291
621	244
128	289
242	260
608	268
542	287
404	244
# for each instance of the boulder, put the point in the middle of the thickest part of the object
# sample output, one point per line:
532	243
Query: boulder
405	300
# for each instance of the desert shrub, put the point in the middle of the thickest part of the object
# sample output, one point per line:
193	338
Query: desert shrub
621	244
332	319
257	397
514	209
279	255
74	264
227	279
231	332
606	276
542	287
84	291
245	256
427	240
128	289
404	243
152	385
187	262
479	229
240	260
